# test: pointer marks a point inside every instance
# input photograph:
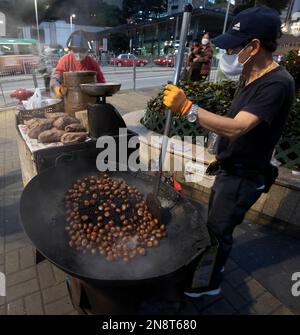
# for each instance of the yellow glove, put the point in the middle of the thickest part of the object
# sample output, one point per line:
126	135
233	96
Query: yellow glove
175	99
60	91
57	92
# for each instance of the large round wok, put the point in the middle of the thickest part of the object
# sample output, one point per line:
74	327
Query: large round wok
43	217
100	90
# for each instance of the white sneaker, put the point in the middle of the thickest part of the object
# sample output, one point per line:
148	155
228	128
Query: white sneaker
203	293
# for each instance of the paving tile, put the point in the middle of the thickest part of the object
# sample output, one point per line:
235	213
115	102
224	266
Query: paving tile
46	275
27	257
247	310
12	262
266	304
221	307
55	293
2	310
2	300
188	308
230	266
59	275
232	296
21	290
205	301
59	307
237	277
282	310
17	244
251	290
20	276
33	304
16	308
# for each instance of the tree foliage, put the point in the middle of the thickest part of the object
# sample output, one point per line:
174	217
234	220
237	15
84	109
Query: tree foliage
118	42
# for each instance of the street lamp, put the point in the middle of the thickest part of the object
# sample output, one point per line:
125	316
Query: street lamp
72	16
37	24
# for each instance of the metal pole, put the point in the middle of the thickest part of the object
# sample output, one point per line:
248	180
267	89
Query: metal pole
35	82
184	30
176	29
37	24
134	75
71	23
226	17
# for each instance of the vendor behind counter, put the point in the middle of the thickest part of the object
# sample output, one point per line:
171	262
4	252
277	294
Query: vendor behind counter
77	59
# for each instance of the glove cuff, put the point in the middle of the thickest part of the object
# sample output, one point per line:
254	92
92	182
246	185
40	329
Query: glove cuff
186	107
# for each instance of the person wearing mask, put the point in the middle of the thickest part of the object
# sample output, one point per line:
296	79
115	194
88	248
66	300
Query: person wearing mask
77	59
250	131
200	59
194	67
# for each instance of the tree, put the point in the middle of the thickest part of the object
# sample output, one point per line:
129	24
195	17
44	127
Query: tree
118	42
279	5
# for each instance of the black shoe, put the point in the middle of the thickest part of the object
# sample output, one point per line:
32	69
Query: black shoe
209	291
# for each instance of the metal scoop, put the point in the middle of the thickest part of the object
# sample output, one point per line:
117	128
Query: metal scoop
152	200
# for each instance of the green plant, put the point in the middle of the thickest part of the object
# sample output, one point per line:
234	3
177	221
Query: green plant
215	97
292	128
292	63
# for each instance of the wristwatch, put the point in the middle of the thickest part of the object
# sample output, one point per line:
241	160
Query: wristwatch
192	115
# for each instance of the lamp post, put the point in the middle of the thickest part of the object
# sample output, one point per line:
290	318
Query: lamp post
72	16
37	24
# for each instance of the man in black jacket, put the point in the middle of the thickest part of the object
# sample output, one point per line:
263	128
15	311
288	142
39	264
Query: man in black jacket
250	131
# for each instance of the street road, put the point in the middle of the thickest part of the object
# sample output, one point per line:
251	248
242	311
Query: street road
145	77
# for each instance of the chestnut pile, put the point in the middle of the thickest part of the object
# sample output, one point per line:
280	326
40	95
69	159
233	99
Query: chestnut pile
108	217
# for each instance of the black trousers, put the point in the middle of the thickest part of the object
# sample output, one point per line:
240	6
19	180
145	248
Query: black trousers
231	197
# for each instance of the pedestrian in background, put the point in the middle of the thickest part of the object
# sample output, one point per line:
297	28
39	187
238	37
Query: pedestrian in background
200	59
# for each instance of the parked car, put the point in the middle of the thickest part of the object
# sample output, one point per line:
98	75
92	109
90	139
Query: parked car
165	60
127	60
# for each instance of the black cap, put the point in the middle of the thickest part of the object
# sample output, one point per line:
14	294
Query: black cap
260	22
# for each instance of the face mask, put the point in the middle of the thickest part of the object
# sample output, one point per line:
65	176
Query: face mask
230	66
80	56
205	41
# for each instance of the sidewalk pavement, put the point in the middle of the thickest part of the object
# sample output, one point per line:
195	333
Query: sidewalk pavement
257	277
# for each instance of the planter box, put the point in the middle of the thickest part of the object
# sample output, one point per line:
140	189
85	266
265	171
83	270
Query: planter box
180	126
288	153
279	209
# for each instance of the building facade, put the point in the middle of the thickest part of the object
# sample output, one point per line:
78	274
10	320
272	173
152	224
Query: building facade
56	32
161	37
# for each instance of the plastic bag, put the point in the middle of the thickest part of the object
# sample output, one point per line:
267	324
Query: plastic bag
35	101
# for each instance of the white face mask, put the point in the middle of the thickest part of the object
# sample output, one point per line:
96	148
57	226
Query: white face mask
230	66
205	41
80	56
